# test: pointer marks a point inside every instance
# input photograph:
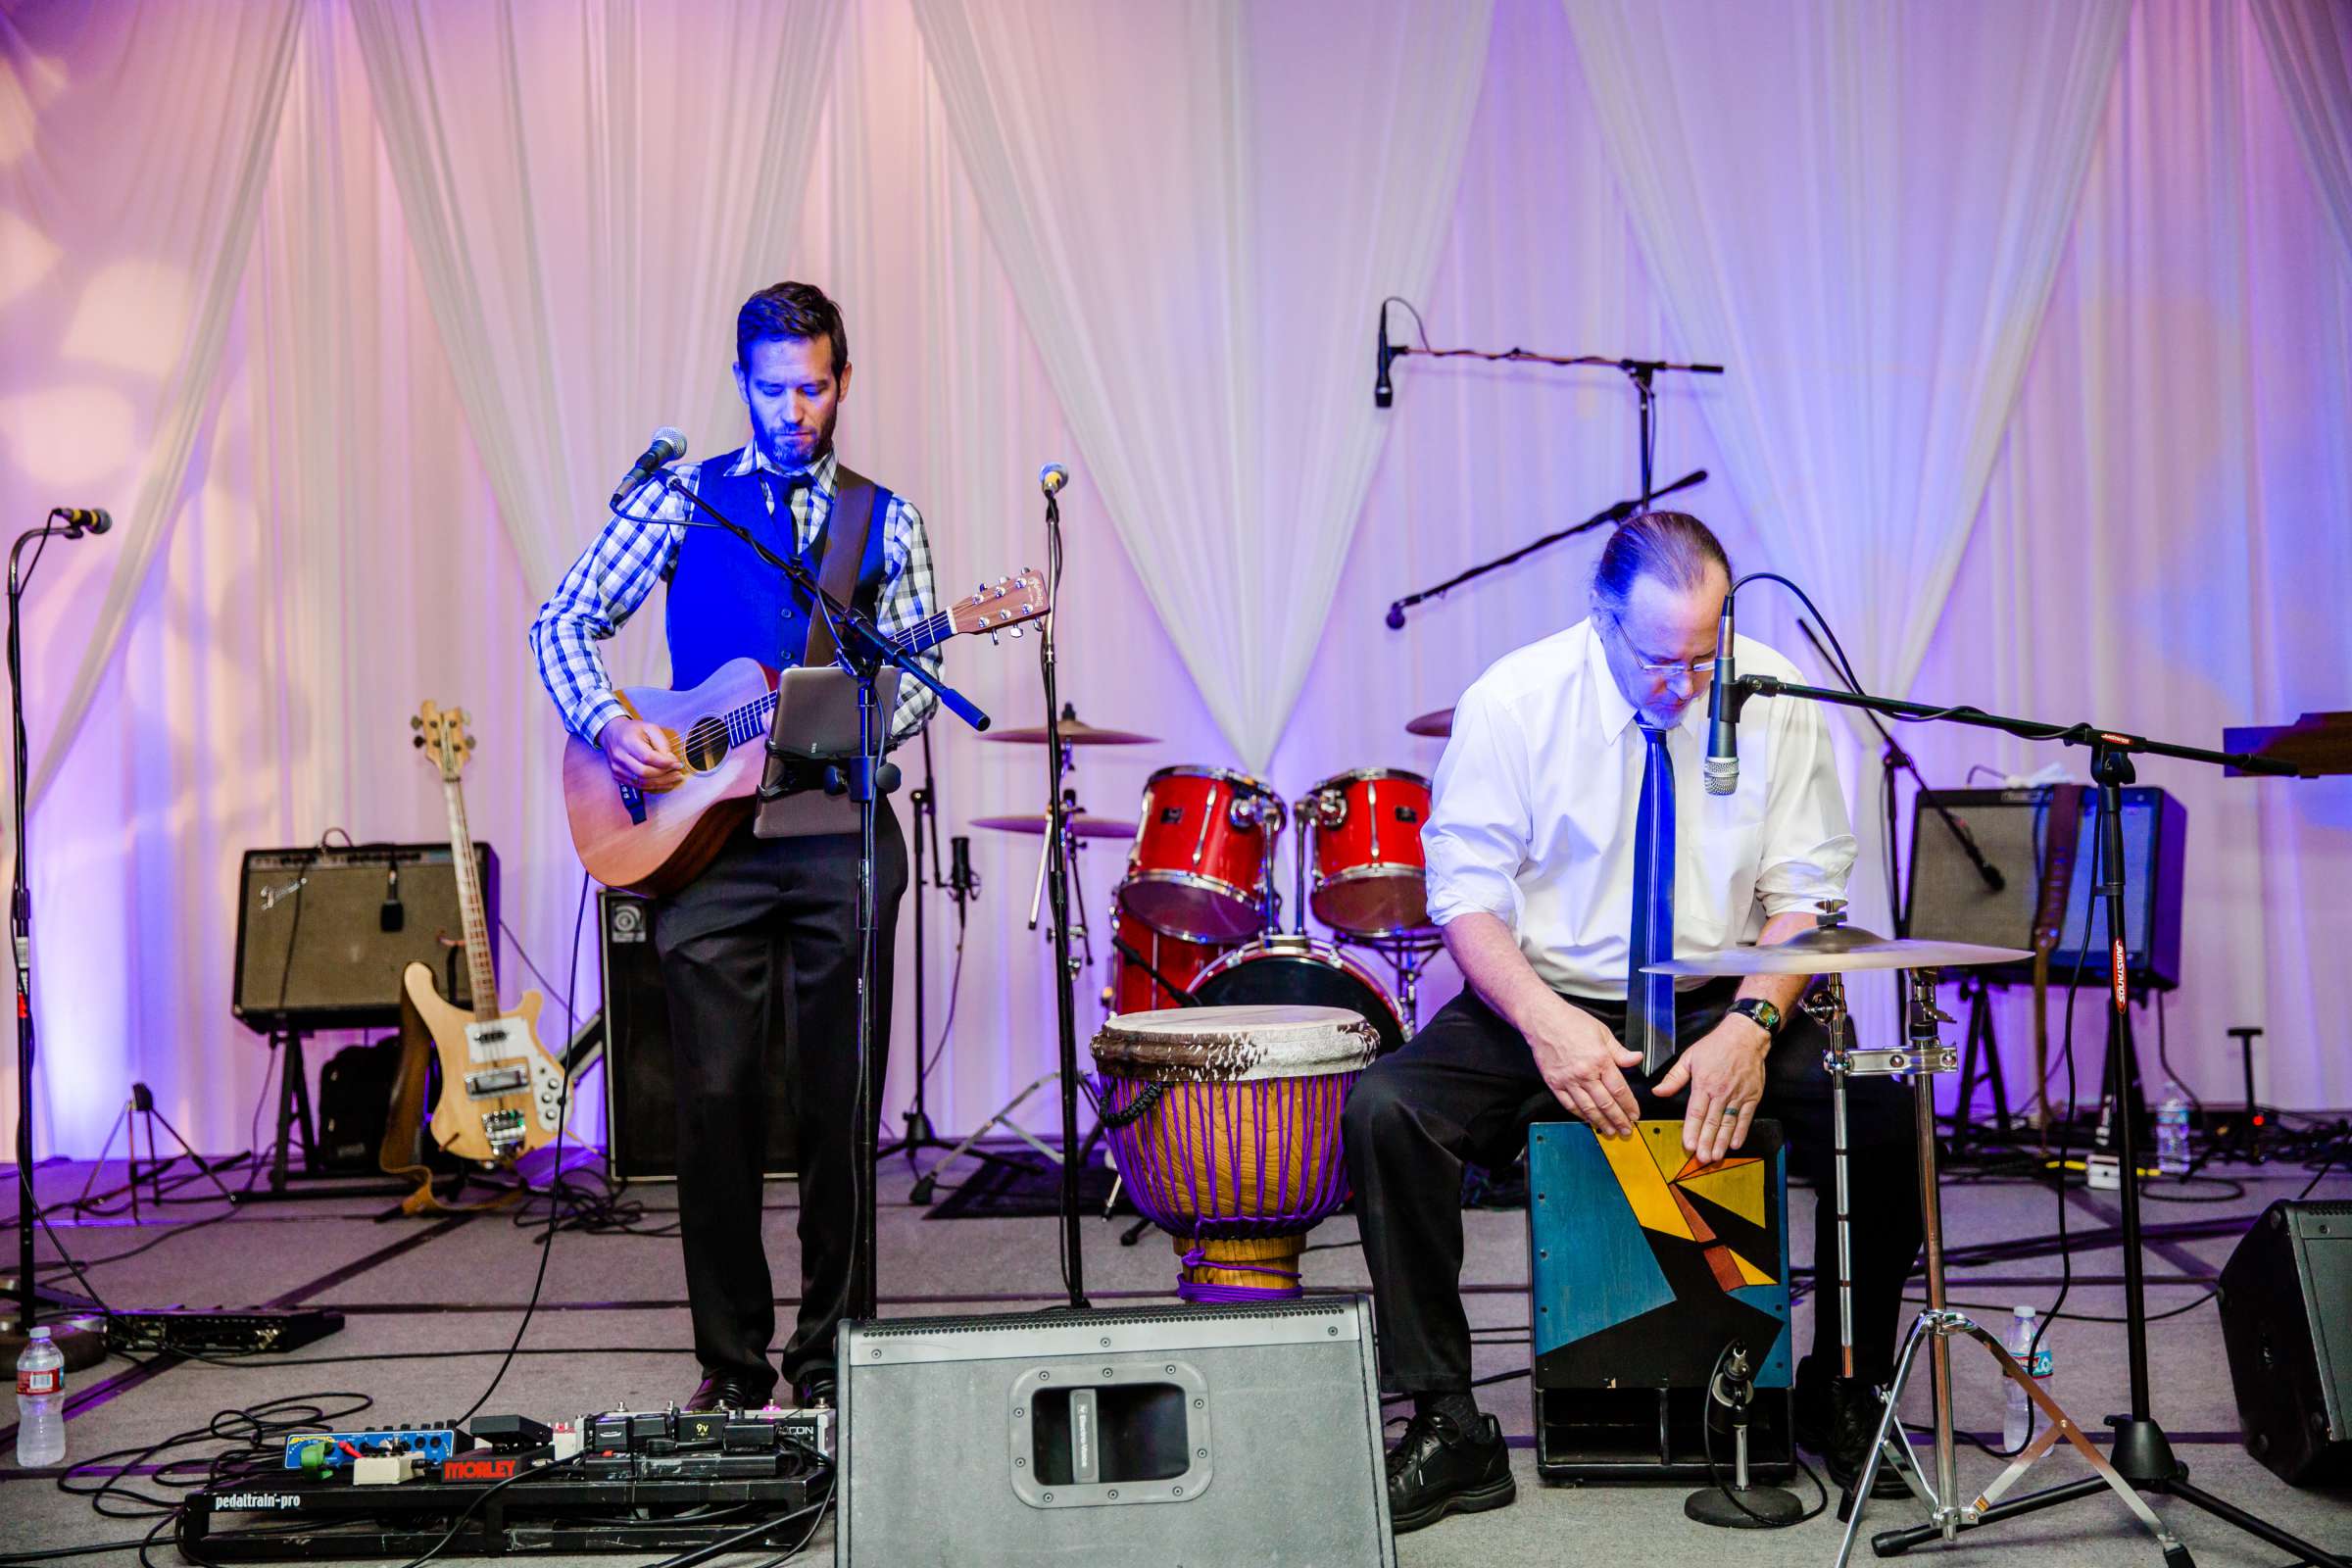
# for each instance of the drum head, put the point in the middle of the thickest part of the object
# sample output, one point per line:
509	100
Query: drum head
1315	978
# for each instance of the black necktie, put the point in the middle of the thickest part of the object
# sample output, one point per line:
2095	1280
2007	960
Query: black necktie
1649	997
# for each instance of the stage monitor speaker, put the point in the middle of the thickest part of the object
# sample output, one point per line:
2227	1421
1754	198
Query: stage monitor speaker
323	934
1946	901
641	1117
1643	1267
2286	1323
1142	1439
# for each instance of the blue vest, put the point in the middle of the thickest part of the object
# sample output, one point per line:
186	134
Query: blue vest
726	603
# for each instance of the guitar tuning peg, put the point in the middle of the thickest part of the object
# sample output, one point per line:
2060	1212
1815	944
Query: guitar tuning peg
419	743
1016	632
992	638
416	721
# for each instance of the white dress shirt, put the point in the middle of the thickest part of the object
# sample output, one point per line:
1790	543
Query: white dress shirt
1533	820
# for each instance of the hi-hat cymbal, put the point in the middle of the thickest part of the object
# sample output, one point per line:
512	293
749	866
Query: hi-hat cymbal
1074	732
1839	950
1438	724
1037	823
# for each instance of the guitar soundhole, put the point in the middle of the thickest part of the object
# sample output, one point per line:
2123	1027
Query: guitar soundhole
706	745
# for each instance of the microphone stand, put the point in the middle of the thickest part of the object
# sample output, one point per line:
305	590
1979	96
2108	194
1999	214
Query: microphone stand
82	1348
1058	877
864	648
2141	1454
1615	514
924	799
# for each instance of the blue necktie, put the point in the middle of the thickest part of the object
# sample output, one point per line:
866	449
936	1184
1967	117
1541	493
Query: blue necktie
1649	997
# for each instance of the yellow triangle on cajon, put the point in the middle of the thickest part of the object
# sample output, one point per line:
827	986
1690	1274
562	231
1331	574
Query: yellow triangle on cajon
1735	1185
1750	1274
1665	1140
1646	1189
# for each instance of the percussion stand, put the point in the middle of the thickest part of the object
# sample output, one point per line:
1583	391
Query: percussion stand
1924	1058
2142	1454
1059	841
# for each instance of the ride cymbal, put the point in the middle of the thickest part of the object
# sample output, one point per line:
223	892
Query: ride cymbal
1839	950
1037	823
1074	732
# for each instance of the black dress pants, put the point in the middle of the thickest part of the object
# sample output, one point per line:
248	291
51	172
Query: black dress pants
1466	1088
759	957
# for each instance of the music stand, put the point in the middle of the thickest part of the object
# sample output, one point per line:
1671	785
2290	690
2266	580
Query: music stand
815	724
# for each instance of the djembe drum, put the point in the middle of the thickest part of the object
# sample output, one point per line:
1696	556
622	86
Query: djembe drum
1225	1124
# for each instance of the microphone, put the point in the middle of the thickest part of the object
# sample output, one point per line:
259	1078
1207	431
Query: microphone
959	865
393	914
1382	393
1722	765
1052	477
668	447
1396	615
79	520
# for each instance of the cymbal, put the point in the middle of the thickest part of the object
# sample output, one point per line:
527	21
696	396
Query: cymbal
1839	950
1438	724
1036	823
1074	732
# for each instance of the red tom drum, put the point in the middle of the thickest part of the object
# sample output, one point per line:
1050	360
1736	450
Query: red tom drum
1202	852
1133	989
1369	877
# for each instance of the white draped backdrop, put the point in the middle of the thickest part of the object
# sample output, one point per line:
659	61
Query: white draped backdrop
2038	321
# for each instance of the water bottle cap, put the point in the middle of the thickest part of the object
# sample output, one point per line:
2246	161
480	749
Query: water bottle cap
38	1334
2021	1311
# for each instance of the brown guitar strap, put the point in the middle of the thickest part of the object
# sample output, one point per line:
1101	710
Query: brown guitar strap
845	551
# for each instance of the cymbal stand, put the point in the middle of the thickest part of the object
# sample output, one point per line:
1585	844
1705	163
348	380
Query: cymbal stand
1924	1058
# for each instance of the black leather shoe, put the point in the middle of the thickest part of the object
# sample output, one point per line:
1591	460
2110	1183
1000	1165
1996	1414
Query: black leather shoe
816	1386
724	1391
1836	1418
1437	1468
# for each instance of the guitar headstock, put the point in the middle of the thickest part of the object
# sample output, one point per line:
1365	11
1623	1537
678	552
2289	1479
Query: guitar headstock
441	735
1007	601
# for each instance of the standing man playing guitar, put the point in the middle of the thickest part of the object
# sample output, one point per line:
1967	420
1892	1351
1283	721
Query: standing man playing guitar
763	946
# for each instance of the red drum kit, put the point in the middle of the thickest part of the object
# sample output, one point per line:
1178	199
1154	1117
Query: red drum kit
1199	917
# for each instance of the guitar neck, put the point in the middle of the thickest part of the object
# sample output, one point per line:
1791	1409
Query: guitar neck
480	973
749	722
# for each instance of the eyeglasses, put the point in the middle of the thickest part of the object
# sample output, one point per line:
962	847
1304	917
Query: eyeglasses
1696	670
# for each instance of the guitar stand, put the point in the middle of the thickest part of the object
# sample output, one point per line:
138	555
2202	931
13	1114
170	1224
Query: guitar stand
142	1104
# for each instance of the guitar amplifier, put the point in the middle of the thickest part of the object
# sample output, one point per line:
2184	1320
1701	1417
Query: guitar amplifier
1643	1267
1947	901
323	934
641	1122
2286	1324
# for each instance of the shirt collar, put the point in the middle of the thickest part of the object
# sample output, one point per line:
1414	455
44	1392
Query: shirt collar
1609	706
820	473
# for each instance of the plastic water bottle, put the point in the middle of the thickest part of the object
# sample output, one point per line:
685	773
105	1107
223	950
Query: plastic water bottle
41	1404
2018	1422
2171	1133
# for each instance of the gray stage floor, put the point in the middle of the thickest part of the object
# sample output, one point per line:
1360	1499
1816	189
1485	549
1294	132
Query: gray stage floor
432	1306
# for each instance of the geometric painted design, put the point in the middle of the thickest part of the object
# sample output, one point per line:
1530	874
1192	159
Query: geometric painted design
1644	1261
1645	1190
1736	1183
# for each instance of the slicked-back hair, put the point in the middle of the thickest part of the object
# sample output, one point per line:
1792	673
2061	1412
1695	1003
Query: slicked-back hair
1673	548
791	309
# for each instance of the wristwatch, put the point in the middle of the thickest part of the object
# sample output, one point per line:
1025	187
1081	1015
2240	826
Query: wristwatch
1763	1014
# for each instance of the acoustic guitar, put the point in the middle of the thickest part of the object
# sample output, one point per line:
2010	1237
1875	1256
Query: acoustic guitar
501	1092
657	841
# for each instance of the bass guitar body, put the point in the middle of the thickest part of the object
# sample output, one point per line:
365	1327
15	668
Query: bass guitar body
502	1093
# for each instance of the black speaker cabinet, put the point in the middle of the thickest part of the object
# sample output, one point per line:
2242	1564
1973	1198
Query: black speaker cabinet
1143	1439
1947	901
322	935
641	1124
2286	1322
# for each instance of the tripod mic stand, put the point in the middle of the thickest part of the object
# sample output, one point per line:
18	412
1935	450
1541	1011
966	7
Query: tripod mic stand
960	885
2140	1455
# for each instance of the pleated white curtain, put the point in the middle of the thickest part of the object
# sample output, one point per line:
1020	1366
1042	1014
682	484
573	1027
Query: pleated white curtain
2164	545
1855	206
2310	47
134	139
1198	206
592	190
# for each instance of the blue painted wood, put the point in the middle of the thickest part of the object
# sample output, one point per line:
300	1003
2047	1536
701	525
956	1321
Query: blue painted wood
1589	1264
